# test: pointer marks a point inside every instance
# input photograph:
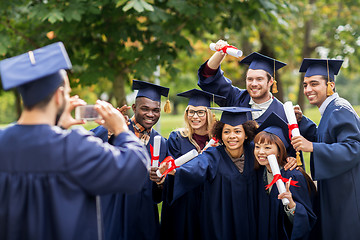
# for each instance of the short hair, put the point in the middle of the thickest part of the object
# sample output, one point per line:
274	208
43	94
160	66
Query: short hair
268	75
43	103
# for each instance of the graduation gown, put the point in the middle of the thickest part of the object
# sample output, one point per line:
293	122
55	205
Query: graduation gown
180	220
49	179
133	216
273	223
235	97
335	164
228	199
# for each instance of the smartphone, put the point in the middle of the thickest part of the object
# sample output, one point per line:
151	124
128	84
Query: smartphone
86	112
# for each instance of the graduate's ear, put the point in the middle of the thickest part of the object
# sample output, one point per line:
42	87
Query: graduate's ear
59	96
133	107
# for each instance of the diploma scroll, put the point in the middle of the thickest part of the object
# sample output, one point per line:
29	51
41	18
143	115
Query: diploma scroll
293	126
231	50
276	171
156	152
290	115
179	161
210	143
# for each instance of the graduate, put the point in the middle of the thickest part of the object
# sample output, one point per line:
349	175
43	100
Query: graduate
50	177
260	77
335	148
136	216
180	220
226	174
276	221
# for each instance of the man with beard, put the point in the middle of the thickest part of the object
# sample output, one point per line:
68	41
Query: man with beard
50	177
334	148
136	216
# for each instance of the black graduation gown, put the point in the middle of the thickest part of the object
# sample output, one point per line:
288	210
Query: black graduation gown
273	221
49	179
335	164
228	200
133	216
180	220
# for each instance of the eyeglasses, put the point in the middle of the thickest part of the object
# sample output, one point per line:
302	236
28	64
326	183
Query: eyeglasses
200	113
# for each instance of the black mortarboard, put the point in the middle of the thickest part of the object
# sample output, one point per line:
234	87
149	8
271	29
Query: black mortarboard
150	90
276	125
234	115
325	67
258	61
35	74
202	98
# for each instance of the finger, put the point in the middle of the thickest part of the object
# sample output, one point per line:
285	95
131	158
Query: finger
288	185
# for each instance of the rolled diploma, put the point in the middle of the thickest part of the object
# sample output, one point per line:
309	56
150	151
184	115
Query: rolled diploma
156	151
231	51
279	183
183	159
290	115
210	143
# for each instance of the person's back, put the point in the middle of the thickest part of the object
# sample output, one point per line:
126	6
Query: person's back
49	177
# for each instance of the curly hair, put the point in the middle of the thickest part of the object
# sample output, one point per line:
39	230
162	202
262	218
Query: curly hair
249	128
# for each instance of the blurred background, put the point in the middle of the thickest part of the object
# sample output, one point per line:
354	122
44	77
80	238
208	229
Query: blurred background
112	42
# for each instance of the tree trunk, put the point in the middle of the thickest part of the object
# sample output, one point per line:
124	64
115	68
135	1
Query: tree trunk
17	104
306	53
119	88
269	51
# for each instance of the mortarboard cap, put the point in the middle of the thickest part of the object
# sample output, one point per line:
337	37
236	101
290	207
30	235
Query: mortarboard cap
234	115
35	74
150	90
325	67
258	61
276	125
202	98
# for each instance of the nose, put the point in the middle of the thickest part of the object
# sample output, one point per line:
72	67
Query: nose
307	89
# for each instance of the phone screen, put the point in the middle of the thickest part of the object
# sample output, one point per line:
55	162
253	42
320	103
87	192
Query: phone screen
86	112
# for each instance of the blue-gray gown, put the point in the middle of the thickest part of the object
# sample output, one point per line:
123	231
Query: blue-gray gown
228	201
49	179
273	221
133	216
180	220
335	164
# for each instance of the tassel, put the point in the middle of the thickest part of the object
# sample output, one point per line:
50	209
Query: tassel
298	160
329	90
214	117
274	87
167	107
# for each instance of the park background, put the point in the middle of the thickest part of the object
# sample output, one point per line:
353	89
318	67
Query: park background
111	42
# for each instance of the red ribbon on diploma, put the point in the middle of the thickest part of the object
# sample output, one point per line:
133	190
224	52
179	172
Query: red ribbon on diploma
292	127
277	177
169	159
152	155
224	49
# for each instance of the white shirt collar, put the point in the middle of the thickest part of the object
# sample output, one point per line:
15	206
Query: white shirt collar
326	102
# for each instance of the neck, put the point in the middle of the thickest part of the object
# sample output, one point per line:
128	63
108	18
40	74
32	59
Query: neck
236	153
201	131
263	99
37	116
268	167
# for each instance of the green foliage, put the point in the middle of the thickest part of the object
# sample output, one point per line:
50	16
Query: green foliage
7	104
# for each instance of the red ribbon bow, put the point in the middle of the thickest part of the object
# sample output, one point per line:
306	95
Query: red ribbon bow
153	158
292	127
224	49
171	161
277	177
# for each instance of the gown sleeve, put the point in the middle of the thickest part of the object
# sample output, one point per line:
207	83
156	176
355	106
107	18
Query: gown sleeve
101	165
221	85
339	151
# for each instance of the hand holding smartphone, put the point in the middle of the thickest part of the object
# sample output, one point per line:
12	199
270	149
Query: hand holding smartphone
87	113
